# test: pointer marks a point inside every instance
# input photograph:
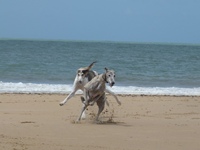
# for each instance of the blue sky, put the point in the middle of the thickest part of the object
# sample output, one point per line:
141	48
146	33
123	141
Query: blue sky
171	21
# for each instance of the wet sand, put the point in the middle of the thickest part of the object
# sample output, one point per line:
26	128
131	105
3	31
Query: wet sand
36	121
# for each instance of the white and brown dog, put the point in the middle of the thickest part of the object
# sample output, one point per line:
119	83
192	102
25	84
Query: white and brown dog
83	76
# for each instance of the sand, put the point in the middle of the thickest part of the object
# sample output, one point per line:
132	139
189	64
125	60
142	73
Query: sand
36	121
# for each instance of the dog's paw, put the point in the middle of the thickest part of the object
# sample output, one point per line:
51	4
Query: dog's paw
119	103
99	122
61	104
77	122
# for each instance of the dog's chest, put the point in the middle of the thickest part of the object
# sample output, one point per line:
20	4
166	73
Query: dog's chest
80	85
96	85
85	81
99	88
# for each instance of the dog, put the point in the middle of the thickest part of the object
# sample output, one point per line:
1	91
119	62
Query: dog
83	76
94	91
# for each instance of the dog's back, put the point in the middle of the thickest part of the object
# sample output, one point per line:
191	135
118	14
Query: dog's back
91	74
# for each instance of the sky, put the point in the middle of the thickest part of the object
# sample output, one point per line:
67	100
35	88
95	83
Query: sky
161	21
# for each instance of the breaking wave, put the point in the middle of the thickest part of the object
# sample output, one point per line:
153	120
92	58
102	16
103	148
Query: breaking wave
33	88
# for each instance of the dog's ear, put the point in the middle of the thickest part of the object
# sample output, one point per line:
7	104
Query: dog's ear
91	65
85	71
78	71
106	69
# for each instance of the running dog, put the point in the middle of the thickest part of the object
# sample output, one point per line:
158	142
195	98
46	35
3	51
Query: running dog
83	76
94	91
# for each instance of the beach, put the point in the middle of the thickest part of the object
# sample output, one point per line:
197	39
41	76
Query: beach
142	122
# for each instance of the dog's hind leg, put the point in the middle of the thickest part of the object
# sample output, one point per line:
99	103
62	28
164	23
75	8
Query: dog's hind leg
101	105
83	114
83	109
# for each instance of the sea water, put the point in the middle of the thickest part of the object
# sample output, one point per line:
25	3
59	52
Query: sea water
34	66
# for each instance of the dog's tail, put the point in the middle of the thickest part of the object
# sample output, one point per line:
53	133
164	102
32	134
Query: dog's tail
91	65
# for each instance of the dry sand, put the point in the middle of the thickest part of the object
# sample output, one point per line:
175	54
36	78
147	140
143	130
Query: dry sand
37	122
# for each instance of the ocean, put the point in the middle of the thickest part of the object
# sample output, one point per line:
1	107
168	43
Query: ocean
38	66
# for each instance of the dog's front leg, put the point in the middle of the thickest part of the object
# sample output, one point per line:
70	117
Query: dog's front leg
113	94
68	97
76	87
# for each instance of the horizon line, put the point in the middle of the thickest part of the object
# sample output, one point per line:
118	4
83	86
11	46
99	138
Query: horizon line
106	41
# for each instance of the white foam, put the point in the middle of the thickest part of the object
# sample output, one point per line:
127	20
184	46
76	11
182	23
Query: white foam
7	87
157	91
34	88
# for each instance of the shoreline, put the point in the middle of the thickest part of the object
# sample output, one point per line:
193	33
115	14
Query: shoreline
78	94
36	121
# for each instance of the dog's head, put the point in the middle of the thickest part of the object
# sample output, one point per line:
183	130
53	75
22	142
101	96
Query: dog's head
109	77
83	72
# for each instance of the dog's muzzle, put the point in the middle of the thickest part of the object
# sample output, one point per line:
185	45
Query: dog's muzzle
111	84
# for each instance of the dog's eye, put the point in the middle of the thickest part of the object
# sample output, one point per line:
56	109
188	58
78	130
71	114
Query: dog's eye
114	76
